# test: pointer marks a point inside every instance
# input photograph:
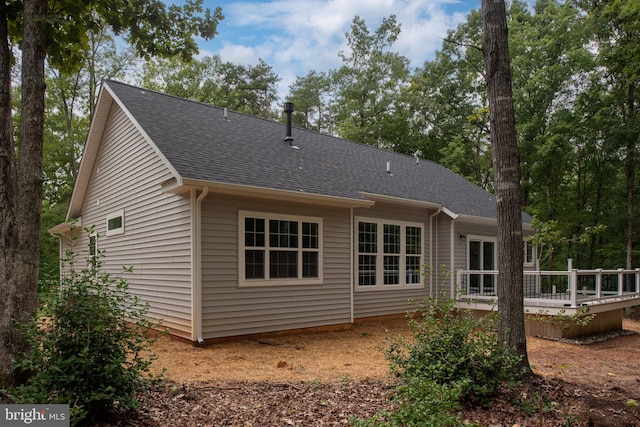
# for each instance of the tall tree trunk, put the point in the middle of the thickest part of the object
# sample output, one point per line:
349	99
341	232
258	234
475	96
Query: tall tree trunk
506	166
9	342
630	172
21	248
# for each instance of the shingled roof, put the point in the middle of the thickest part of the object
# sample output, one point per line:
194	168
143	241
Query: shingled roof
201	144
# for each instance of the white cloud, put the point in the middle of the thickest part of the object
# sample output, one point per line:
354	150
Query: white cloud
295	36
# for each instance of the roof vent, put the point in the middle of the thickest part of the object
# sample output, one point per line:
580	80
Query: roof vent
288	109
224	114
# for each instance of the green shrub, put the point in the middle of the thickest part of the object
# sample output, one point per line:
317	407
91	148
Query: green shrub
450	359
421	403
450	346
93	352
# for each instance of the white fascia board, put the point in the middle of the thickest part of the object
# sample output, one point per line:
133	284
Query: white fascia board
400	201
450	213
480	220
182	185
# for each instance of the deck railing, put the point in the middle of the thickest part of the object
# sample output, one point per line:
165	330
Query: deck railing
572	288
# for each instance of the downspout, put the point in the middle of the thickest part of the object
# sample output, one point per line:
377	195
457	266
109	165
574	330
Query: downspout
453	258
196	264
351	257
432	236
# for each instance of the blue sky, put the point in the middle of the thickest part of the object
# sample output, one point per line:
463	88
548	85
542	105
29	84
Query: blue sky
297	36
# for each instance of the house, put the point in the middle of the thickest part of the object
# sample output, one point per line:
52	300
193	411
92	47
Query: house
237	225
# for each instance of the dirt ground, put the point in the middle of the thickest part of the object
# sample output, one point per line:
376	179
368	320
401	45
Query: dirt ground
325	378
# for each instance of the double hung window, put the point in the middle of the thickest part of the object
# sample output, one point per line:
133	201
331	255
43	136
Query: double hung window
389	253
280	249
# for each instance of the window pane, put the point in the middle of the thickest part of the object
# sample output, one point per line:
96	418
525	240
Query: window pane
367	270
414	240
488	262
310	264
391	270
474	255
367	237
253	264
528	252
93	246
254	232
310	235
283	234
413	269
114	223
391	239
283	264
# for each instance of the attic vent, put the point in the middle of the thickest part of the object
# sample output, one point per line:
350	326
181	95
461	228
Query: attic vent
288	109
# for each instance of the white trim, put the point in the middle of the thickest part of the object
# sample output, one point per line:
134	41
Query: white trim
267	281
351	266
482	239
174	186
534	253
380	286
93	235
196	263
400	201
114	215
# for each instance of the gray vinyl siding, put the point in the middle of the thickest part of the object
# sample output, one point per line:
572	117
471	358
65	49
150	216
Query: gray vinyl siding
442	268
388	301
231	310
127	175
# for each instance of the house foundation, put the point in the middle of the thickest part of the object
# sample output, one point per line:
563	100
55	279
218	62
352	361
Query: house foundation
563	326
560	326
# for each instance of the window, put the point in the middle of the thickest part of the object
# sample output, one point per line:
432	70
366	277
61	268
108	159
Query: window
279	249
482	257
115	223
93	249
389	253
529	254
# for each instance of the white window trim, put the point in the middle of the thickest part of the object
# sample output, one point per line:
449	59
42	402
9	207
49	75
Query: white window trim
112	215
534	254
481	238
267	282
380	286
93	236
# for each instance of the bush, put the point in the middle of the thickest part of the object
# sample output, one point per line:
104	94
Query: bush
450	346
93	352
450	359
419	402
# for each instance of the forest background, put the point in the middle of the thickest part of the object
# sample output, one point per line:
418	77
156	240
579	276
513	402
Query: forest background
576	78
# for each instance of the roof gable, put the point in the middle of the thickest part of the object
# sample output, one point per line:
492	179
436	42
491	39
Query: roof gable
203	144
104	105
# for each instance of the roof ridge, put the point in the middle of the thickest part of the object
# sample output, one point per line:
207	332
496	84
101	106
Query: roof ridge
191	101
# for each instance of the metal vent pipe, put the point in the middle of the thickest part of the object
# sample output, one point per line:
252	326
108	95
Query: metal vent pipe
288	109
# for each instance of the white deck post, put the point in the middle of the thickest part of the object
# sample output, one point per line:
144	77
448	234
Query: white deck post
637	284
620	281
598	283
573	283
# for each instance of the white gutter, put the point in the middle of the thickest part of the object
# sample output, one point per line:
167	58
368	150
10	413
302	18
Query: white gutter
431	238
352	256
452	276
196	264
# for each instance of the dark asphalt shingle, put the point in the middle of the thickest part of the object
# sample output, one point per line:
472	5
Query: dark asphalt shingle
251	151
